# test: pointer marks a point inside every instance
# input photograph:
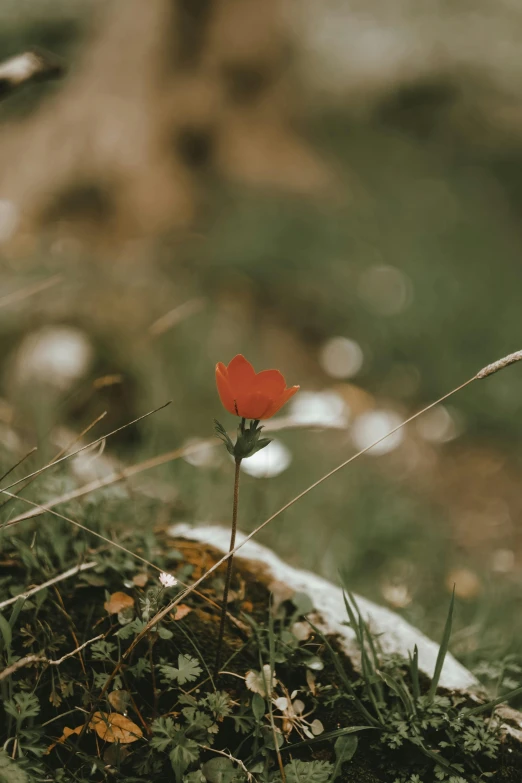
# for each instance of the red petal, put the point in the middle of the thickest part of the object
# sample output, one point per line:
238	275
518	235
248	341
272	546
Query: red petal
280	401
223	387
241	375
253	406
270	382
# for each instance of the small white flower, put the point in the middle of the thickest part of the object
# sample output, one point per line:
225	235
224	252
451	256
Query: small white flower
167	580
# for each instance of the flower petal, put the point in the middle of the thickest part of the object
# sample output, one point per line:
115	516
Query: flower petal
223	387
270	382
241	375
254	405
278	403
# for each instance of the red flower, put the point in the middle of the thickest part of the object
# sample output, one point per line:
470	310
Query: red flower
248	394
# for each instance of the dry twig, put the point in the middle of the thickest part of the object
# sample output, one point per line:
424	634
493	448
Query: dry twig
65	575
29	659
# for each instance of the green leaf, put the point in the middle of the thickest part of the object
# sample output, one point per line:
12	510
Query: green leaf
442	650
303	603
7	635
242	723
183	755
194	777
134	627
223	435
298	771
22	706
397	687
258	706
345	747
164	732
220	770
260	445
219	704
10	772
187	670
199	722
17	608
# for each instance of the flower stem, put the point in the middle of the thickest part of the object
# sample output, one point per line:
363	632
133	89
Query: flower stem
228	577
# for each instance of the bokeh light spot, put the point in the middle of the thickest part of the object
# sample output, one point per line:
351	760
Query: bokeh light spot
271	461
385	290
341	357
370	426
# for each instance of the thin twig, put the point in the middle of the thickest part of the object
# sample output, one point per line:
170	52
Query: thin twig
71	626
21	663
228	577
88	446
113	478
13	467
176	316
43	659
65	575
135	706
248	774
134	470
73	652
58	456
34	288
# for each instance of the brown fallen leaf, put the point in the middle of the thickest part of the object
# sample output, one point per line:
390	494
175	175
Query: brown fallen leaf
140	580
113	727
117	602
119	700
182	610
66	733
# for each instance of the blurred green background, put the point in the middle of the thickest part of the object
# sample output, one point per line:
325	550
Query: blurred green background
207	180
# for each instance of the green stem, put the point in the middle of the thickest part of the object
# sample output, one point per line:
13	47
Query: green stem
228	577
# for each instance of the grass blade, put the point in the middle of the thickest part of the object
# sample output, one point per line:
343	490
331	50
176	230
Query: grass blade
400	690
344	678
443	649
329	735
490	704
363	633
414	671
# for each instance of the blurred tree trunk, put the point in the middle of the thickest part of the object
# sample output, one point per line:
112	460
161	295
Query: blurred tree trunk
165	93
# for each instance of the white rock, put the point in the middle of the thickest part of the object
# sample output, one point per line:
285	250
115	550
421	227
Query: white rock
395	634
